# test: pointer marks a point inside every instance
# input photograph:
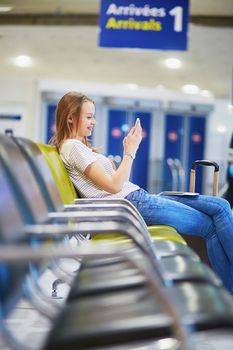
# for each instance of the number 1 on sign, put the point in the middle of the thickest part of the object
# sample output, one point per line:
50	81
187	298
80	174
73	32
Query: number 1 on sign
177	12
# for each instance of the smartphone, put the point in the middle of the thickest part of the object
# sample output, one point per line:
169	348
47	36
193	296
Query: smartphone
178	193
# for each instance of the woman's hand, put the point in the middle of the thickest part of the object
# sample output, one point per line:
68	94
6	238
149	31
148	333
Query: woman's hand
133	139
114	183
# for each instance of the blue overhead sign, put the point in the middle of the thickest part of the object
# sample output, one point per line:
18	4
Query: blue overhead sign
151	24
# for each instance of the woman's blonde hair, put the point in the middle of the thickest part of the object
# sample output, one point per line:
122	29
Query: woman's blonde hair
70	105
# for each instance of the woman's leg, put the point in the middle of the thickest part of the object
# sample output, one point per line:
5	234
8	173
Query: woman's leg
167	211
187	220
218	209
220	262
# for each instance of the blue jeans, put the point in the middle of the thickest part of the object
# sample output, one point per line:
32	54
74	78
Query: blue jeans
206	216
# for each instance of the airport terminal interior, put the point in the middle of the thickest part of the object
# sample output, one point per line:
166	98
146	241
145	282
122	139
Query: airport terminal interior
88	273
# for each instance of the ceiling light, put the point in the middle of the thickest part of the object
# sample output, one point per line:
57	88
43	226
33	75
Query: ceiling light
206	93
230	108
23	61
173	63
221	129
160	88
132	86
190	89
5	8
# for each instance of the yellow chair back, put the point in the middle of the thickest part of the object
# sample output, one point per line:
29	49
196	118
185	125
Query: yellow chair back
65	187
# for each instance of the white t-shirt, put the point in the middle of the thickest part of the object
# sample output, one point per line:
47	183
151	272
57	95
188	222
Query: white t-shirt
76	156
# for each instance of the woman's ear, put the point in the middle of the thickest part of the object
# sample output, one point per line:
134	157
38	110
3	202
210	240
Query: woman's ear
70	120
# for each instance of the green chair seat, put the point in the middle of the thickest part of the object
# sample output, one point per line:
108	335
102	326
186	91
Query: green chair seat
161	232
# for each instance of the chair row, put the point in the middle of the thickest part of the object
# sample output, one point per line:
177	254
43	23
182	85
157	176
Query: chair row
136	286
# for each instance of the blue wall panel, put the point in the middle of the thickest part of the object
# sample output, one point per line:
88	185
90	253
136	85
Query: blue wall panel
196	145
173	142
116	120
119	123
50	121
141	163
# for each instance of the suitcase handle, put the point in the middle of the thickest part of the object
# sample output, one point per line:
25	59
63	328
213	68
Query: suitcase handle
205	163
193	174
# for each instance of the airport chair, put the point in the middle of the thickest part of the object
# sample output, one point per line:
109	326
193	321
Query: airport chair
36	207
69	194
32	153
41	230
17	164
179	268
133	319
84	331
156	231
47	183
12	232
186	267
66	188
174	265
11	279
48	187
94	327
119	322
14	276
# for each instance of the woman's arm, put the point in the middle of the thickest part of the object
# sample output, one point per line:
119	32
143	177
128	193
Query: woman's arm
114	183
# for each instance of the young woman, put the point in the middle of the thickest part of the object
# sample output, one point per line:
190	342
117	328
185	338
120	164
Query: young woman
94	176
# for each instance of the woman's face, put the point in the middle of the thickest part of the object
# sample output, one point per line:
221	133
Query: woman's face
86	121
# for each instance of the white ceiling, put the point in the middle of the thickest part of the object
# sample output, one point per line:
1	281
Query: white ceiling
197	7
72	52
